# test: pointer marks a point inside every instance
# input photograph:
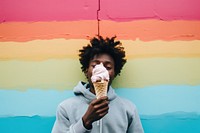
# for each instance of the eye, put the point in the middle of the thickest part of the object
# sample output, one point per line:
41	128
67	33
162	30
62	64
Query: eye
108	68
93	66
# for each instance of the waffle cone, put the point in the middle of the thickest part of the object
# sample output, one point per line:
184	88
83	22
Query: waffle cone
100	88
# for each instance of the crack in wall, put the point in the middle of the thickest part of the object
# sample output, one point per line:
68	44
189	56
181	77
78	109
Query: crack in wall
98	19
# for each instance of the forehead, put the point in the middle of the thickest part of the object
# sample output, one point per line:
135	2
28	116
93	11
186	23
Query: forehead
104	58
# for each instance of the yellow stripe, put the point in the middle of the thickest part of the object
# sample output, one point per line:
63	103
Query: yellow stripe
64	74
41	49
140	49
61	48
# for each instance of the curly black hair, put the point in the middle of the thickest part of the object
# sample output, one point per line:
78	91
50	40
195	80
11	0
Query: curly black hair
99	45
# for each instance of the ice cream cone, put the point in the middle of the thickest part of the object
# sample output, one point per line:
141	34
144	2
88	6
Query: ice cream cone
100	88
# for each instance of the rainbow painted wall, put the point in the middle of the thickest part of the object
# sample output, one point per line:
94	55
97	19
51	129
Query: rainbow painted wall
39	43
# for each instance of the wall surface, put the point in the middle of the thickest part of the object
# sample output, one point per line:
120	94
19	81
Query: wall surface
39	43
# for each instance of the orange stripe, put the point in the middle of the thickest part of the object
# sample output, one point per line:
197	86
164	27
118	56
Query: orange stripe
146	30
27	31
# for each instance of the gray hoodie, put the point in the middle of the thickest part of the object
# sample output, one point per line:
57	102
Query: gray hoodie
121	118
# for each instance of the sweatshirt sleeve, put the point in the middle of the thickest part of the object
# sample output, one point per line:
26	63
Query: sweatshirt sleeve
135	125
63	125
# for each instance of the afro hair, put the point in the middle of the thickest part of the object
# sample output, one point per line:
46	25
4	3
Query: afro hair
99	45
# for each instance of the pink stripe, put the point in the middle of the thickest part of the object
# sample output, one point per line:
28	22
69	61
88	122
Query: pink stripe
118	10
126	10
47	10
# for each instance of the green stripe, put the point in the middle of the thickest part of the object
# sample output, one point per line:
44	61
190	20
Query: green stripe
65	73
139	73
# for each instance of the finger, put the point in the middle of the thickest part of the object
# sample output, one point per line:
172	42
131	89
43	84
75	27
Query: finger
102	110
103	114
103	98
100	100
104	104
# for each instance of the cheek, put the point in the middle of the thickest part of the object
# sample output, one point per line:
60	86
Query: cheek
89	73
111	74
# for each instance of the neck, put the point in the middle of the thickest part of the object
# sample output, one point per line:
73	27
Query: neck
92	90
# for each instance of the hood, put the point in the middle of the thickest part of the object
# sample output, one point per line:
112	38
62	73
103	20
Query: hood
80	89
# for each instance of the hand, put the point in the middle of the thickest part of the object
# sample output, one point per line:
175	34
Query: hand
97	109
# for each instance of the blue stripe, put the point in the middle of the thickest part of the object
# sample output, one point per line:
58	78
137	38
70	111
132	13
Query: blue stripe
150	100
177	122
22	124
31	102
164	99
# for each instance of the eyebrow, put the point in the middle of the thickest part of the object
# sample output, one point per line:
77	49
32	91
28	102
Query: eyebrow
98	61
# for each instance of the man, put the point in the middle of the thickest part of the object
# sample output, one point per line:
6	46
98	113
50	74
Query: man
108	114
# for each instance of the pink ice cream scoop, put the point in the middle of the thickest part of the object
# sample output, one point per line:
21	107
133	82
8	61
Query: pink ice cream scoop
99	73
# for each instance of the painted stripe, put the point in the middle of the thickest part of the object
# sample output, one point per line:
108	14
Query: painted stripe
148	100
140	73
38	50
41	49
49	74
148	30
24	124
126	10
37	10
26	31
47	10
170	123
44	103
31	102
140	49
63	74
157	30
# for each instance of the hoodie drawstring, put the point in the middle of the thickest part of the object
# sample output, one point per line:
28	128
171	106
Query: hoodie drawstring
100	124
